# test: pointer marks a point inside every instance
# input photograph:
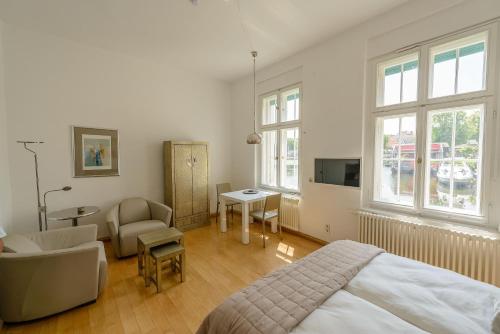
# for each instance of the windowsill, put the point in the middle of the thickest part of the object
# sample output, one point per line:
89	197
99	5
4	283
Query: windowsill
483	231
286	192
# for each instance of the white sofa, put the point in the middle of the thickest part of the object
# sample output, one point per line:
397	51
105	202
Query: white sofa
49	272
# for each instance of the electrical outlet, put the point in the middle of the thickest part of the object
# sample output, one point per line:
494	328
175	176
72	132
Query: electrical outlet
327	228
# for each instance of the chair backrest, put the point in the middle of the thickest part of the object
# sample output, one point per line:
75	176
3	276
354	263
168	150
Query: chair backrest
273	202
223	188
133	210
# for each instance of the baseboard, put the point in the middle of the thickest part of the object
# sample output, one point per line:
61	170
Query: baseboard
306	236
290	231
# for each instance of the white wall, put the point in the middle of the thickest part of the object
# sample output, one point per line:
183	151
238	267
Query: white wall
52	83
333	79
5	189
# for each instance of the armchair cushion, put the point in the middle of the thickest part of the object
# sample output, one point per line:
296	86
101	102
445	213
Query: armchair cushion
62	238
16	243
134	210
129	233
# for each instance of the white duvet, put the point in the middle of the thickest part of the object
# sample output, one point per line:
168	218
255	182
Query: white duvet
398	295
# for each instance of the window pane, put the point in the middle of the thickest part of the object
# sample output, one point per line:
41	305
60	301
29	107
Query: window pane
471	68
465	185
392	85
454	171
269	109
467	134
290	104
398	80
290	158
444	74
459	66
396	174
269	158
410	81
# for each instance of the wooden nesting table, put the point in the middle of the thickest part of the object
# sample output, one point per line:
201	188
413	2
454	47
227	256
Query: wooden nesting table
145	242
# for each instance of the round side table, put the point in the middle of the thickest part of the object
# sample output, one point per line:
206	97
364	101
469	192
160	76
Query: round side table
73	214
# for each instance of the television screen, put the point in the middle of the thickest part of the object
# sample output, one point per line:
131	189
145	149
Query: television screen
343	172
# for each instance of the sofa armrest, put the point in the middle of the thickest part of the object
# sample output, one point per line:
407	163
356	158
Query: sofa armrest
160	212
34	285
113	223
64	237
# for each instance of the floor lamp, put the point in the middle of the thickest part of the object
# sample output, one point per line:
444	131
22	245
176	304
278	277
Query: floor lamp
39	208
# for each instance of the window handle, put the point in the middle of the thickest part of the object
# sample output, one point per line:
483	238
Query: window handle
419	160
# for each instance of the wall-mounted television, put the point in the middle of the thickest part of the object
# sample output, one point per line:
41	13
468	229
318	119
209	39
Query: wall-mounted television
343	172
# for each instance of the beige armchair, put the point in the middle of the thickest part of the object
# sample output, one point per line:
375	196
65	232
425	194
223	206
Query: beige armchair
132	217
49	272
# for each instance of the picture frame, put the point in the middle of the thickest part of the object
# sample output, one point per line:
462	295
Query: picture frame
95	152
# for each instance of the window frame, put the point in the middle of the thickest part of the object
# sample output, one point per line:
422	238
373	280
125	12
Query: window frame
489	82
410	111
278	126
398	60
421	107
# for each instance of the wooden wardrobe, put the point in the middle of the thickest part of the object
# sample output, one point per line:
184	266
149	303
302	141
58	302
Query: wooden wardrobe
186	183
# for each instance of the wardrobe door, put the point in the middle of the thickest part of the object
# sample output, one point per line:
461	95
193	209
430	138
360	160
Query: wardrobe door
183	177
200	179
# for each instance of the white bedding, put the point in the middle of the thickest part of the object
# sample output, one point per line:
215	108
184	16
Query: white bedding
398	295
345	313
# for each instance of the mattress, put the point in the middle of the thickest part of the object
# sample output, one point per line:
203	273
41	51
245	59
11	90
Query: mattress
393	294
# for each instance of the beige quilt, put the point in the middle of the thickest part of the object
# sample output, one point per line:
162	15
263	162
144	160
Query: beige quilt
280	300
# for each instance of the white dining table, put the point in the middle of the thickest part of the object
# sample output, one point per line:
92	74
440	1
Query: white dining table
245	200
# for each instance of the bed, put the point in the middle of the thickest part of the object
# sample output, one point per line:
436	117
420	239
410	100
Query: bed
348	287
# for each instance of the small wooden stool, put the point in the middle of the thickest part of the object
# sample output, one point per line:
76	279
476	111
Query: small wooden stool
176	254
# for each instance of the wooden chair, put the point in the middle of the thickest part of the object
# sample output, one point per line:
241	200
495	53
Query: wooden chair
271	210
224	188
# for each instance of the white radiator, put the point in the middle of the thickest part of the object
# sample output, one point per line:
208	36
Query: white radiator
468	254
289	211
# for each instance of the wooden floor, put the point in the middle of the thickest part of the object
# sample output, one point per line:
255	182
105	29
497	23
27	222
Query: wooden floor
217	265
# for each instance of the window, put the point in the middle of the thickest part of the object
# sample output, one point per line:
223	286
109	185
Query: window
458	67
397	149
453	169
398	81
429	156
280	148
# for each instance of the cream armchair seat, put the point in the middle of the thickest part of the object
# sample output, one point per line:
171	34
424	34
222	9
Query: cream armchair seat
132	217
49	272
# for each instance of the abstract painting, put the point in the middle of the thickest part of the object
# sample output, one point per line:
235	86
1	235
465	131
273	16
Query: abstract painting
95	152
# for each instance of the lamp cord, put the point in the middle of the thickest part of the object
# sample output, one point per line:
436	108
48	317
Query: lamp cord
254	54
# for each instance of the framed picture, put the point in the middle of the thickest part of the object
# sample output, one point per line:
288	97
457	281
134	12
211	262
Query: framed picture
95	152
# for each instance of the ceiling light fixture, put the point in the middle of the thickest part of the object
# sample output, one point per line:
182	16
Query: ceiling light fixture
254	138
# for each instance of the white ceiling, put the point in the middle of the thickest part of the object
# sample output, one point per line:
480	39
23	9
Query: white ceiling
207	38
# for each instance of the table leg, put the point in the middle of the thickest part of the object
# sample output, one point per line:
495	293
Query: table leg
183	266
245	232
75	221
223	221
140	258
146	267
